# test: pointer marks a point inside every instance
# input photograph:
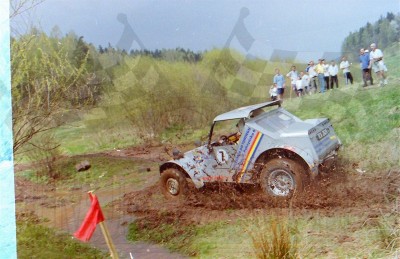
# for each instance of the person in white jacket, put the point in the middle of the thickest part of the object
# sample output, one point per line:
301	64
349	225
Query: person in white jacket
273	92
345	67
305	78
299	86
333	71
293	75
313	77
377	64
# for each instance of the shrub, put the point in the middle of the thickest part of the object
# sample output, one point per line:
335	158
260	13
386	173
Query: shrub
274	238
45	150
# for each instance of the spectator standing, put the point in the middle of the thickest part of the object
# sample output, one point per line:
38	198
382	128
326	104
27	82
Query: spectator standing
312	76
345	67
364	64
279	80
301	84
326	73
273	92
305	78
377	64
293	75
319	69
333	71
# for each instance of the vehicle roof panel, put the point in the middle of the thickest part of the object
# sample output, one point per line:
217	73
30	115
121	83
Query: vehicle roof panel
244	112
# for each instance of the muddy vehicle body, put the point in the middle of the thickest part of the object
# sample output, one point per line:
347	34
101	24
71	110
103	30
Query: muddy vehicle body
269	146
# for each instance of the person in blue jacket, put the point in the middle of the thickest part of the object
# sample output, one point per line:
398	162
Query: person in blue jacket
279	80
365	68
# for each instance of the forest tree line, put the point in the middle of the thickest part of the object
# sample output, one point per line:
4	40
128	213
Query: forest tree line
156	90
171	55
55	74
384	32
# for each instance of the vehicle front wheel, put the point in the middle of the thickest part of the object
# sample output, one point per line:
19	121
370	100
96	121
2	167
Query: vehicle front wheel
282	177
173	183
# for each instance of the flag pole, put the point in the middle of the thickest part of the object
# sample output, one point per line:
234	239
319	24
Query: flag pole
108	239
95	217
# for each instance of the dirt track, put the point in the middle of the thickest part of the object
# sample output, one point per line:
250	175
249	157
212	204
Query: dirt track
340	192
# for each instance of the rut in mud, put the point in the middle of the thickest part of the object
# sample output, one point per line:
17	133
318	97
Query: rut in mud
344	191
339	192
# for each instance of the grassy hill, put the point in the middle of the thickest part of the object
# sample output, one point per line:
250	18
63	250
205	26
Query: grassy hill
367	120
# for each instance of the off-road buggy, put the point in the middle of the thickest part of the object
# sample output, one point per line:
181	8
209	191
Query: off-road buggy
267	145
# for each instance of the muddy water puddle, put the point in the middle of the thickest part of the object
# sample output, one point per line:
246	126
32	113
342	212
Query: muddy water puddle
65	209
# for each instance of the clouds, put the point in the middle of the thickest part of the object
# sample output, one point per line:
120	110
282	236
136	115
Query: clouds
199	25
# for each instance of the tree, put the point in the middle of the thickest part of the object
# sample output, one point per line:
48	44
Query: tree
222	62
21	6
390	16
384	32
43	80
80	53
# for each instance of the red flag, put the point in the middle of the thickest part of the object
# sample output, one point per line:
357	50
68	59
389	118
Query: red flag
93	217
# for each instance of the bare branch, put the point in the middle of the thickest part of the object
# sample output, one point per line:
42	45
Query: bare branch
45	148
20	6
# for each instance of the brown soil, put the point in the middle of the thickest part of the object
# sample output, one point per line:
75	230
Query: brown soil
338	192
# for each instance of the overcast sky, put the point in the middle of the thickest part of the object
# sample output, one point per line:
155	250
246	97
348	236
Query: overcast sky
303	27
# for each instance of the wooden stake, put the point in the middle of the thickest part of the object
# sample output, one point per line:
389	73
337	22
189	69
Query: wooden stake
109	241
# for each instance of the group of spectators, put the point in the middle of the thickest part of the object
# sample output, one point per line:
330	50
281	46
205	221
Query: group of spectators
326	75
373	60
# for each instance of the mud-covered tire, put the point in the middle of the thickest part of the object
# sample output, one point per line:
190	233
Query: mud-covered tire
173	184
282	178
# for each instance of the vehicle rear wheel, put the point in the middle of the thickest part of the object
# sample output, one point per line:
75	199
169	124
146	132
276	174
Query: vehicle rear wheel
173	183
282	177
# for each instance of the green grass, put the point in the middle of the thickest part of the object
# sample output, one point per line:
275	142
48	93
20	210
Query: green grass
38	241
363	118
358	115
33	242
90	136
104	171
313	237
366	120
392	55
388	230
187	239
274	238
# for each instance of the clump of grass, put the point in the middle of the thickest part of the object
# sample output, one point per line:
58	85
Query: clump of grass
389	229
37	241
103	171
44	150
166	229
274	238
174	236
389	233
